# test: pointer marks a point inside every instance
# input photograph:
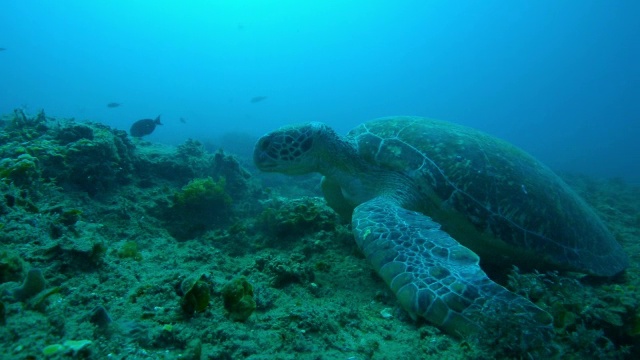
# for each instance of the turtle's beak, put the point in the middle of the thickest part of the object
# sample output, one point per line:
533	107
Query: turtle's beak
261	157
263	162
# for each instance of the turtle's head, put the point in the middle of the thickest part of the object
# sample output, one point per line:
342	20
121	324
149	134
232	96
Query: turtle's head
293	150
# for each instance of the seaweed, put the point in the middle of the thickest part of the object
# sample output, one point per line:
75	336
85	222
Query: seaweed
70	217
11	266
238	299
203	204
129	250
195	294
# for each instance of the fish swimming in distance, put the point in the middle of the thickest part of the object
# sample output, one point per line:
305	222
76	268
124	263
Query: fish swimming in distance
182	120
256	99
3	49
144	127
113	105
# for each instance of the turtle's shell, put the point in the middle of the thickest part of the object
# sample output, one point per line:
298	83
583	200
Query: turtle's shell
491	196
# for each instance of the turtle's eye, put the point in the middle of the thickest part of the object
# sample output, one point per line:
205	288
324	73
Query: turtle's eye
266	146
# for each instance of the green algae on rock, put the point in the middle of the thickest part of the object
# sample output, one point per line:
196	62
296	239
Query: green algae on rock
11	266
129	250
203	194
70	217
203	204
288	219
69	347
238	298
22	170
196	294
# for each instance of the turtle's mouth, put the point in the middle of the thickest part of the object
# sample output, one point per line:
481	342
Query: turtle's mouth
263	160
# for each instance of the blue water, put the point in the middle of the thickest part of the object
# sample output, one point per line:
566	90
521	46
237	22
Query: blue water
560	79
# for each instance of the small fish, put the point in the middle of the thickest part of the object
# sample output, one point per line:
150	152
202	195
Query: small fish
182	120
113	105
3	49
144	127
256	99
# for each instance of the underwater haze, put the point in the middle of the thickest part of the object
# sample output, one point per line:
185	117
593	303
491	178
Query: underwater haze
559	79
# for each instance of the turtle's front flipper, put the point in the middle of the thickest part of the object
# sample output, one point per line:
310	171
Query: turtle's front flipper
435	277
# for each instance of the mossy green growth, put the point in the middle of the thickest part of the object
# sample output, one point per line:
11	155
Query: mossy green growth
39	301
130	250
53	349
238	298
70	217
76	345
203	204
563	318
22	170
11	267
202	193
3	314
633	328
196	294
296	217
98	250
72	347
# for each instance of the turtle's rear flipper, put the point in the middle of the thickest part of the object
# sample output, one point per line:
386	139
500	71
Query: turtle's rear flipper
435	277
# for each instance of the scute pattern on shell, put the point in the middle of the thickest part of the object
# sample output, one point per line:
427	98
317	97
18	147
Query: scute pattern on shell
504	193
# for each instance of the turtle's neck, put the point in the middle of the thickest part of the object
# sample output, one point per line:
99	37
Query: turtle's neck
339	158
360	180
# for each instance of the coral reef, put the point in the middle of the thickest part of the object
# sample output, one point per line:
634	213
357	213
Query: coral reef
287	219
93	159
100	214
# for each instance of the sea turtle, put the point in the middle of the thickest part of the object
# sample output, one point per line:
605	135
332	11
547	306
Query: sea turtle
428	199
